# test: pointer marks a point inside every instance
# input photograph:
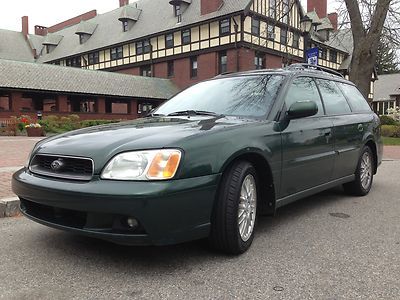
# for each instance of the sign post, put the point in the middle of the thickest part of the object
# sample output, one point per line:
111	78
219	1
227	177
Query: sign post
312	56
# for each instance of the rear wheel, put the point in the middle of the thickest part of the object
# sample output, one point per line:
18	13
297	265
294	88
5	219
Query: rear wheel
364	175
234	216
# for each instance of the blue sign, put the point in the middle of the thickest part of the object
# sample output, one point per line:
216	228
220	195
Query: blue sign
312	56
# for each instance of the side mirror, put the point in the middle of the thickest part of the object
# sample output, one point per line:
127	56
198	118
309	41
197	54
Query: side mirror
302	109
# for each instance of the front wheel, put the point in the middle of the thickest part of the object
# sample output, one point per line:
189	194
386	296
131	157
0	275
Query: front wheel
234	216
364	175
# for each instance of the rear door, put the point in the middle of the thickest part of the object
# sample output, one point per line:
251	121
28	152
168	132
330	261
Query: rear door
347	132
307	144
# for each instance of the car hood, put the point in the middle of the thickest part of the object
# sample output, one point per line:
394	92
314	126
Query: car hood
102	142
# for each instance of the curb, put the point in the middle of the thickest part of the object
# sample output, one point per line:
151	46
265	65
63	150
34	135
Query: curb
9	207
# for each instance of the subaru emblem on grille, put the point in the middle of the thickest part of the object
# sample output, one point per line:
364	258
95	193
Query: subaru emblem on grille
57	164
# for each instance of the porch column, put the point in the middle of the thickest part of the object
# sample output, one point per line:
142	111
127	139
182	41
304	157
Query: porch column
133	109
62	103
16	102
101	105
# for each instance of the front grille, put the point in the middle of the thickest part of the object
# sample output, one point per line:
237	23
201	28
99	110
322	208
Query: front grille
68	167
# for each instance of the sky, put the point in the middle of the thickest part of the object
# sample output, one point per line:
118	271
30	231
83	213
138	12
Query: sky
50	12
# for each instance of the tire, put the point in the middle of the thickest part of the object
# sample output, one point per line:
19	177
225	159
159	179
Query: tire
227	234
361	184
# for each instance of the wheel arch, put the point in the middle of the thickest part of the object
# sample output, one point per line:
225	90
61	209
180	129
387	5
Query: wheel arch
267	199
372	145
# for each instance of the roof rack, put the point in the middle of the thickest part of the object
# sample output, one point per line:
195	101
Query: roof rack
300	66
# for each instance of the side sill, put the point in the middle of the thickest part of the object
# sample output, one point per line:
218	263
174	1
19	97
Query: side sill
311	191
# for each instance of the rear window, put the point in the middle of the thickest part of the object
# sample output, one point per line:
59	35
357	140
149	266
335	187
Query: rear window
356	99
334	101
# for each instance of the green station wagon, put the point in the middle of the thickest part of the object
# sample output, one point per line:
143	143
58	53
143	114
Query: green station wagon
207	162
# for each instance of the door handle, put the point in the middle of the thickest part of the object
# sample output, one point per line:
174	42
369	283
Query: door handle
360	127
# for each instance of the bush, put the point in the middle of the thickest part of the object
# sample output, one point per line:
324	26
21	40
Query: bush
386	120
390	131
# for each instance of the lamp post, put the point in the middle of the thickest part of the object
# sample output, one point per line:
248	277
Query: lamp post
305	26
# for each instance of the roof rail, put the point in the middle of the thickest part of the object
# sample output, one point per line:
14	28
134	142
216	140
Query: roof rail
301	66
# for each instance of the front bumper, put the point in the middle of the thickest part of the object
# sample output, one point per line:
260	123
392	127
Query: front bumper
168	212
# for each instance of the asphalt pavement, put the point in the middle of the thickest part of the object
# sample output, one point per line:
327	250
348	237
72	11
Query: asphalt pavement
329	246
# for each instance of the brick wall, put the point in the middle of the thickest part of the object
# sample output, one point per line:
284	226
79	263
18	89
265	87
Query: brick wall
320	6
273	61
209	6
83	17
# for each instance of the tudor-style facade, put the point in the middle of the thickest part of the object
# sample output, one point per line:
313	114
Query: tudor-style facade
261	34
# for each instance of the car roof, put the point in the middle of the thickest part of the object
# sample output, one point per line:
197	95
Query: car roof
294	70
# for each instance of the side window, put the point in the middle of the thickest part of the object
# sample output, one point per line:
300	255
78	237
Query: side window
302	89
356	99
334	101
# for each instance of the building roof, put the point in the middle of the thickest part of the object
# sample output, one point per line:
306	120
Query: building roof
155	17
14	46
51	78
388	85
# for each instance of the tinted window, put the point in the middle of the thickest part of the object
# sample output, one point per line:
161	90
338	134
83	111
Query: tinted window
356	99
302	89
335	102
241	96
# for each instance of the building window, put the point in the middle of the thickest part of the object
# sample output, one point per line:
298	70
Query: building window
82	104
117	52
144	108
177	10
270	32
259	60
333	56
296	40
145	71
170	68
146	46
143	47
284	36
125	25
223	62
272	9
186	37
81	39
255	26
225	27
193	67
169	40
73	62
93	58
116	106
5	102
285	15
323	53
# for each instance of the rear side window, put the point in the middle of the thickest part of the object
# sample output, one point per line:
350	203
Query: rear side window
303	89
356	99
334	101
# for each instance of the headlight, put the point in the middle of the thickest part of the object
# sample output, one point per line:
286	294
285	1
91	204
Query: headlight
143	165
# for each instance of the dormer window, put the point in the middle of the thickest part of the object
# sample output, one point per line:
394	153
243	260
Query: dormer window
125	25
177	10
51	41
129	16
85	30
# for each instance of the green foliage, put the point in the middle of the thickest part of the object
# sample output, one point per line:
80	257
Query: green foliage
390	141
386	120
56	124
390	131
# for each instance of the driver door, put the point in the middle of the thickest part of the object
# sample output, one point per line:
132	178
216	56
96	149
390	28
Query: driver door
307	143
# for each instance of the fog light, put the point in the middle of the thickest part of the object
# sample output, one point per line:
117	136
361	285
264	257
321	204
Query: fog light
132	222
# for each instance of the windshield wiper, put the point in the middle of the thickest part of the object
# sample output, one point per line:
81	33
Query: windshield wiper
194	113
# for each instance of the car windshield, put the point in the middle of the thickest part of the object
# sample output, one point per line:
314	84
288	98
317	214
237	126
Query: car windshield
237	96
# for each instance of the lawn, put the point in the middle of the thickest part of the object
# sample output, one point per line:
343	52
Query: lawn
391	141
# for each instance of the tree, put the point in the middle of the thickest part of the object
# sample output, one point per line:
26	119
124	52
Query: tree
368	19
386	60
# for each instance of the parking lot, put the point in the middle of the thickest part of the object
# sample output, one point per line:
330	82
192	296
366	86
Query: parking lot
329	246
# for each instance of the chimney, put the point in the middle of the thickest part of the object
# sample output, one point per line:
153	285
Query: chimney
25	26
320	7
40	30
333	17
209	6
123	2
